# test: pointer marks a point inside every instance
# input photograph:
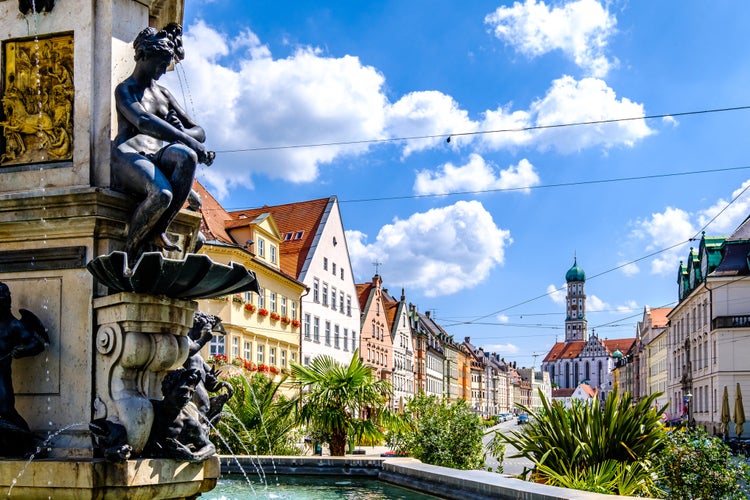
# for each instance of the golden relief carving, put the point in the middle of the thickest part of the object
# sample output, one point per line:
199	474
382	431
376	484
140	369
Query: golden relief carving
37	101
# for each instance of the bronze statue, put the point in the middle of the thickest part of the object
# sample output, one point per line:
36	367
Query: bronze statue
177	431
18	339
204	327
147	117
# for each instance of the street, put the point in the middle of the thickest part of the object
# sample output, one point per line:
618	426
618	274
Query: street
511	466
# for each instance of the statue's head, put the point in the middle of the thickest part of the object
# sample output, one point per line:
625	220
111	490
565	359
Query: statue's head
179	385
153	43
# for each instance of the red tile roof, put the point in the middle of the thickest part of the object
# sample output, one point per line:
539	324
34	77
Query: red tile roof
565	350
303	216
562	393
659	317
622	345
363	293
214	216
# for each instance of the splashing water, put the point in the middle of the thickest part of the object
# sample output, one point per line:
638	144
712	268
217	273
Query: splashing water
234	456
39	449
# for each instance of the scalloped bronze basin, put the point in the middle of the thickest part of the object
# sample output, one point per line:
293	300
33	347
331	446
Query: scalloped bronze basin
194	277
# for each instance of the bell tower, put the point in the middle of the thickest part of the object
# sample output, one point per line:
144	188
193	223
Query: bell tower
575	304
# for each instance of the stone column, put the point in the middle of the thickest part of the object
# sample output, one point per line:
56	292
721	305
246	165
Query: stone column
138	339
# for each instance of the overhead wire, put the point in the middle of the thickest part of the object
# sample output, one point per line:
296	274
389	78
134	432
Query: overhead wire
448	136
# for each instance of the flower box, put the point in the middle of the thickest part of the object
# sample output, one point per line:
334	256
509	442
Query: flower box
218	359
249	308
286	320
275	316
296	323
262	312
237	298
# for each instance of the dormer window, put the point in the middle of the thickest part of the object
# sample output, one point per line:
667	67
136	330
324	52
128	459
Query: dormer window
299	234
288	236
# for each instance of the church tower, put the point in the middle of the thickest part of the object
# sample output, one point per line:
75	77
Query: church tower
575	302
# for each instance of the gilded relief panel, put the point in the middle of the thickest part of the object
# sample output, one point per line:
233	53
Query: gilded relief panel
37	101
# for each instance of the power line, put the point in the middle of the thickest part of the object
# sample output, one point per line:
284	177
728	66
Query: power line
484	132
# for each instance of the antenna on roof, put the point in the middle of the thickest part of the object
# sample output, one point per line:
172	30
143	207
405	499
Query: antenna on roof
377	266
535	355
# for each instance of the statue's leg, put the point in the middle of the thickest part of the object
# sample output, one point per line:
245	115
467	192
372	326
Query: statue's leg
138	175
8	401
178	163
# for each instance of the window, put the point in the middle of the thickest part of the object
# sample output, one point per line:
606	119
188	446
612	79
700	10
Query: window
316	329
336	336
306	327
325	294
217	345
249	297
341	302
307	360
247	352
261	247
333	268
333	298
261	297
316	290
261	357
346	339
273	301
272	355
298	236
325	263
354	341
328	333
283	305
349	306
288	236
342	272
283	359
294	309
273	253
235	347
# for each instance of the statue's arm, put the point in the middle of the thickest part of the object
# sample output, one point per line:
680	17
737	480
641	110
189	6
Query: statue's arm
182	118
148	123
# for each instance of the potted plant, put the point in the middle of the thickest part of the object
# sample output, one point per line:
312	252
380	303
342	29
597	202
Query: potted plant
286	320
237	298
275	316
249	308
262	311
296	323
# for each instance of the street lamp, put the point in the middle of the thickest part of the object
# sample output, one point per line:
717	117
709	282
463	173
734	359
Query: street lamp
688	397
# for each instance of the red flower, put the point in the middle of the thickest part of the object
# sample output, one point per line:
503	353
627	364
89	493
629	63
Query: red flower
286	320
249	308
295	323
262	312
275	316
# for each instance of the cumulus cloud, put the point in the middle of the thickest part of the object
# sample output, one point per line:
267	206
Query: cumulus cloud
250	100
579	29
476	175
588	100
428	113
629	307
629	269
728	217
440	252
595	304
557	294
663	230
502	318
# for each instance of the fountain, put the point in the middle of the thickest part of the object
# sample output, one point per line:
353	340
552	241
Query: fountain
97	258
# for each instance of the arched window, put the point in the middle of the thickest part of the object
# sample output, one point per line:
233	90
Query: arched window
588	372
567	375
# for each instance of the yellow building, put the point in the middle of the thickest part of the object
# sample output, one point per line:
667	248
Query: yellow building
262	330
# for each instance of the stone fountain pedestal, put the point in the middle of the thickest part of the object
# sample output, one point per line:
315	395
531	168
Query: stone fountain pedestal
108	351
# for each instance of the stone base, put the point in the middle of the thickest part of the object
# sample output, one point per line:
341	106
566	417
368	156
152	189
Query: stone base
135	479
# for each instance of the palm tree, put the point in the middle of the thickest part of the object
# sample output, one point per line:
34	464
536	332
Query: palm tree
340	401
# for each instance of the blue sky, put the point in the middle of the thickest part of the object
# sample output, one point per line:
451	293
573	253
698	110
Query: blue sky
268	75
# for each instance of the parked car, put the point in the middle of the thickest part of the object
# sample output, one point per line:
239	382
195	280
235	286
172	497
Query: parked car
523	419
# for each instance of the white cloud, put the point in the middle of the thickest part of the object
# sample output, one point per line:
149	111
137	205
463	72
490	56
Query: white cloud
629	269
502	318
476	175
557	294
732	216
670	120
595	304
587	100
579	29
440	252
629	307
259	101
663	230
428	113
501	348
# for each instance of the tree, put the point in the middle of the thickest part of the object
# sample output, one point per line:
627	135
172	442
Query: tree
441	433
341	402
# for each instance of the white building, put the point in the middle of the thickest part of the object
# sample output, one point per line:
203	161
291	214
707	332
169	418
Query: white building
314	251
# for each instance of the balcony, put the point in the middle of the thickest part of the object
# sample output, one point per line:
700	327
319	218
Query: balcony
739	321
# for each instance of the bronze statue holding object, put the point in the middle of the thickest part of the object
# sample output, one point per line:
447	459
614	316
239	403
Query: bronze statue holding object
147	117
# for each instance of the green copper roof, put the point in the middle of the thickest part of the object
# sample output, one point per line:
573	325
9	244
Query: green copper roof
575	273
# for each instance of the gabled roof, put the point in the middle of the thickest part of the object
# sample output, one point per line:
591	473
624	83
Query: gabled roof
587	390
300	218
565	350
562	392
363	295
214	216
659	317
622	345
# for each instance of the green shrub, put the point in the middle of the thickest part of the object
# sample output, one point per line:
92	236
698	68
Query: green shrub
698	466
